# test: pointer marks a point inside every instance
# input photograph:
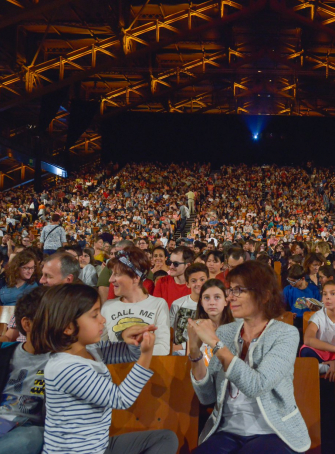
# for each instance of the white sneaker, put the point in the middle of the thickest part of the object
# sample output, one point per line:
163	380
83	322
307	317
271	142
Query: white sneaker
323	368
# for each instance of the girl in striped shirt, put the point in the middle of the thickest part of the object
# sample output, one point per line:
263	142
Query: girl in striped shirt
80	394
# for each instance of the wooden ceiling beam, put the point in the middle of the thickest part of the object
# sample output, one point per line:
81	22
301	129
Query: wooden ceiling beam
123	60
31	13
279	7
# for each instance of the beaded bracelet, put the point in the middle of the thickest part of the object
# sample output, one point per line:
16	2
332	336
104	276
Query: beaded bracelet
196	359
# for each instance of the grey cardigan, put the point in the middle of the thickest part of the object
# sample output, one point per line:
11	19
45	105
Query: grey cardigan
268	378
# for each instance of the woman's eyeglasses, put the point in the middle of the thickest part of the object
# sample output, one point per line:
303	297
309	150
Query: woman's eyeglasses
236	291
28	268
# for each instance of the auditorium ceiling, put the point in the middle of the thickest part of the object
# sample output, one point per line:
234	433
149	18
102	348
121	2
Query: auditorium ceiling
244	57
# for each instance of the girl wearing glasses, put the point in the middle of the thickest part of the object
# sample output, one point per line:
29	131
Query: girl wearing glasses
250	377
21	277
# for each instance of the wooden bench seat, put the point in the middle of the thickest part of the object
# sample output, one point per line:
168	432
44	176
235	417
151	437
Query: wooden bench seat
305	320
286	317
168	401
307	395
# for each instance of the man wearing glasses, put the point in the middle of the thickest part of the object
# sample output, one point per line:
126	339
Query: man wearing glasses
174	286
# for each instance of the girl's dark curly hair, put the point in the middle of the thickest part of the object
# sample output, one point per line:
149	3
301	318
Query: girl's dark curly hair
13	268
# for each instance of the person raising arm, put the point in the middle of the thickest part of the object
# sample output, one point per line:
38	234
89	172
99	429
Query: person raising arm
69	325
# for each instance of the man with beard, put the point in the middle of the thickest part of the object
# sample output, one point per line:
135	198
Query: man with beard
174	286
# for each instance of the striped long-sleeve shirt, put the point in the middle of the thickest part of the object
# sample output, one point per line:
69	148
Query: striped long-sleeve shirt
80	396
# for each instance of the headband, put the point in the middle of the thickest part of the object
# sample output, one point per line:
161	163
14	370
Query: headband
123	257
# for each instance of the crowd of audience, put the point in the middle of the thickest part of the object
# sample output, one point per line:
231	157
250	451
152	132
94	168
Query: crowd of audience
147	200
211	254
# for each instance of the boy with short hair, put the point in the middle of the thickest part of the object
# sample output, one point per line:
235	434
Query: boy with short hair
299	288
185	307
22	385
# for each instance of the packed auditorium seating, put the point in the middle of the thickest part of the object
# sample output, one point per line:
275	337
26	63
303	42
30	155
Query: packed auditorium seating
177	214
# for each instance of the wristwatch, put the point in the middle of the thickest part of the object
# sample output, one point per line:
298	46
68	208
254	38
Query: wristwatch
217	347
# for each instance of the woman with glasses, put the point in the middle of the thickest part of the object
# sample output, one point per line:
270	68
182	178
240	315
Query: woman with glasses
250	377
88	274
21	277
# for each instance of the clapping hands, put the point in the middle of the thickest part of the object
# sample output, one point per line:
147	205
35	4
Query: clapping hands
134	335
201	331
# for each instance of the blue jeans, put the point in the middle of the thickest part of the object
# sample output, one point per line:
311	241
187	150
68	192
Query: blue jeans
27	439
227	443
307	352
49	251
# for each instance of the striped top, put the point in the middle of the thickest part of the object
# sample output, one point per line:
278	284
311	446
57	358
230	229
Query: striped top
80	396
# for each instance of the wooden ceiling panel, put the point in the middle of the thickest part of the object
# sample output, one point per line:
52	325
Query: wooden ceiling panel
246	57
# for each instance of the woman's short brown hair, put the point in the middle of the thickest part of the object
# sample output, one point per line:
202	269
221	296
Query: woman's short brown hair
313	257
60	306
138	259
264	283
13	268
